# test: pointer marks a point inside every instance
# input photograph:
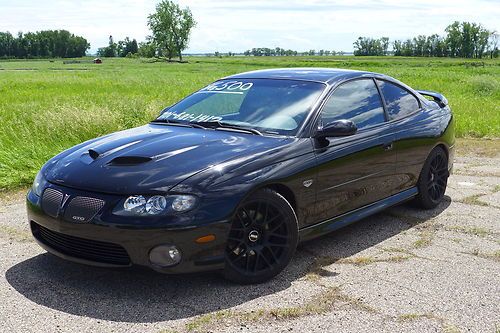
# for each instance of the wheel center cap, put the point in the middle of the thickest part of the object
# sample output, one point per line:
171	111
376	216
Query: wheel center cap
253	236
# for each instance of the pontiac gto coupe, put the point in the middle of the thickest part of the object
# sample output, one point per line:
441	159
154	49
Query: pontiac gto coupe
235	175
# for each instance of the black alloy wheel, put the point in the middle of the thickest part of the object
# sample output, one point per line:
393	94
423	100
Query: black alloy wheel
433	179
262	239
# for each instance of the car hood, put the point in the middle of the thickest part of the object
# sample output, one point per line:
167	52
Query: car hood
152	158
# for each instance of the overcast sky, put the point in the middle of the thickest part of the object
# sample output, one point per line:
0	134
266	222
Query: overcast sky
238	25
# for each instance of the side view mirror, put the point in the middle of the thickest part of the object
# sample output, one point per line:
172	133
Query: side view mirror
342	127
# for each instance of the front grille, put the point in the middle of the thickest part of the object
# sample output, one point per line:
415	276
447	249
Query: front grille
82	209
51	202
102	252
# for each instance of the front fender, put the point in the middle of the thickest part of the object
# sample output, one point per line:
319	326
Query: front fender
222	191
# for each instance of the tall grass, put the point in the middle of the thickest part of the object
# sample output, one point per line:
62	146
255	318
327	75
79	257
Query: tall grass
48	106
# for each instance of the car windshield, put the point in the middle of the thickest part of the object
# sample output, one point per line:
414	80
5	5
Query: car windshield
274	106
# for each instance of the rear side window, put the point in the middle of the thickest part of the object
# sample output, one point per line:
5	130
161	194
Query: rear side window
399	101
358	101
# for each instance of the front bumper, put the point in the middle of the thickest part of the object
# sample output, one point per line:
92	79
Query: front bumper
108	233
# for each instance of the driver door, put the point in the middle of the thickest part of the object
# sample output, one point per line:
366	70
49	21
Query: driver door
356	170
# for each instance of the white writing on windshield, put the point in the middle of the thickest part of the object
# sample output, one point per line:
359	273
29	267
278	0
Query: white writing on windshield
190	117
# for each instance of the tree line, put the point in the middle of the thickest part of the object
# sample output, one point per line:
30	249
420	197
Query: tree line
123	48
42	44
364	46
461	39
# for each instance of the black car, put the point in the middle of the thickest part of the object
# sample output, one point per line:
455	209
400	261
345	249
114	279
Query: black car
235	175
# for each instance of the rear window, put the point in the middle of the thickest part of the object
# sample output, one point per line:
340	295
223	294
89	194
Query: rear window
399	101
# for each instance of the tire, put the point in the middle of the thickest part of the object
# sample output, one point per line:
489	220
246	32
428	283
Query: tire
433	179
262	240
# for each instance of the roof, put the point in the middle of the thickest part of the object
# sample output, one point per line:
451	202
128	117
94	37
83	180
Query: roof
323	75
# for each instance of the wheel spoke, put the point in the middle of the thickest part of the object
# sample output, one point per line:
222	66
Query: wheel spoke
247	264
241	220
442	171
433	191
266	212
273	234
276	227
265	259
239	257
274	218
277	244
236	239
272	253
256	263
257	211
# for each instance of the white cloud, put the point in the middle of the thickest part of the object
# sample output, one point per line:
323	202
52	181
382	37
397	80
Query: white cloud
239	25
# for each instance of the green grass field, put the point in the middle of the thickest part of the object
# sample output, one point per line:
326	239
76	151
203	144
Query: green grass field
47	106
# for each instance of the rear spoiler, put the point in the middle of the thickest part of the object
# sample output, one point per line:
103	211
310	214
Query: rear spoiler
437	97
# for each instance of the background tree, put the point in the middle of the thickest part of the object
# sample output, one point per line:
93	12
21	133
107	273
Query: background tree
109	51
42	44
493	45
147	49
171	26
123	48
462	39
371	47
126	47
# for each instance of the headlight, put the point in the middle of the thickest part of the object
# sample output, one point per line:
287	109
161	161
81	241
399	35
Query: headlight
156	204
135	204
139	205
38	184
183	203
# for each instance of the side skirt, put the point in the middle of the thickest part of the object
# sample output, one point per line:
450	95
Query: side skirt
345	219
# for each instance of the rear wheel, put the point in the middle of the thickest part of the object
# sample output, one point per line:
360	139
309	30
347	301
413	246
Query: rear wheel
433	179
262	239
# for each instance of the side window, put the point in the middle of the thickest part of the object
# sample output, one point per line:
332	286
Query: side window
358	101
399	101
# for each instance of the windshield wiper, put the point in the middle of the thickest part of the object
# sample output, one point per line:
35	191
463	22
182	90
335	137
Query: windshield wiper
208	124
218	124
177	123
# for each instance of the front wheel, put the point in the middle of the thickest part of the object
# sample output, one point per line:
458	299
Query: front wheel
262	239
433	179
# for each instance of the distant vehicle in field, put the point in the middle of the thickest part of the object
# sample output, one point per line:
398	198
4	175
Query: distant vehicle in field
235	175
97	61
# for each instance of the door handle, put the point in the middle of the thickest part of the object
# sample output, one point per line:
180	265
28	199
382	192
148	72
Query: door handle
388	146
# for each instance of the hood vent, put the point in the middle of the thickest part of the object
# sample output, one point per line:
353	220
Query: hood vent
129	160
94	154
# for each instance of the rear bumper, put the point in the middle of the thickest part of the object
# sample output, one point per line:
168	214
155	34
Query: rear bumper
95	243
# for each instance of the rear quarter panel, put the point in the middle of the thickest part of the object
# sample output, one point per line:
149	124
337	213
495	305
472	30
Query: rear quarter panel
416	136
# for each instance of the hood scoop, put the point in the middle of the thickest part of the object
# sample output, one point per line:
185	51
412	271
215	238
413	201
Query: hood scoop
129	160
93	153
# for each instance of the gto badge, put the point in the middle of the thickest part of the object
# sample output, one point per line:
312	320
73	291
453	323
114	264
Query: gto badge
307	183
78	218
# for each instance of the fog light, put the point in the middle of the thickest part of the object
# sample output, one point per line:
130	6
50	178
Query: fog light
165	255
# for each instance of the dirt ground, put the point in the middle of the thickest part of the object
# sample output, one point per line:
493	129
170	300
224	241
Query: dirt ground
403	270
